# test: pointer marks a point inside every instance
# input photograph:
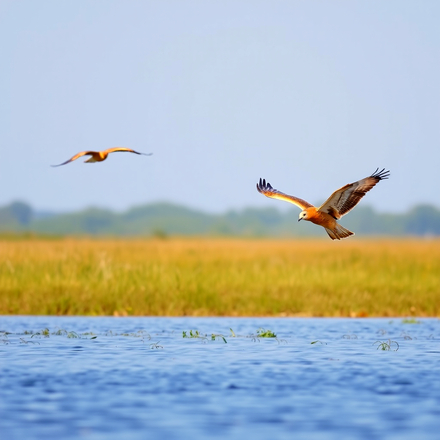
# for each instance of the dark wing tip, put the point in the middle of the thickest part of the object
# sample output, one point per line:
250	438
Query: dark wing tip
263	186
60	164
381	175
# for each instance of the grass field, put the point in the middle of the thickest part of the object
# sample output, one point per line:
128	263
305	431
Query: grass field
220	277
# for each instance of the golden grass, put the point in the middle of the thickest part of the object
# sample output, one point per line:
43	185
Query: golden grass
220	277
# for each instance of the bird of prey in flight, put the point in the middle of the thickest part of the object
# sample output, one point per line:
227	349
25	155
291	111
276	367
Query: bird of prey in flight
99	156
338	204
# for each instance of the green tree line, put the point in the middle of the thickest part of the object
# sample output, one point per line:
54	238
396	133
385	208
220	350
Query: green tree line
162	219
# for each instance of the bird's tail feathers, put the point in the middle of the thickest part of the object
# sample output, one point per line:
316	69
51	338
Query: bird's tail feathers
338	232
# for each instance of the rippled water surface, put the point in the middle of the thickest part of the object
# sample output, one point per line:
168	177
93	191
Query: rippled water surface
138	378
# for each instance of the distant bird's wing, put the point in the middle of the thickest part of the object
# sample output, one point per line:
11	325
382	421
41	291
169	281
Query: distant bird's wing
124	149
265	188
346	198
83	153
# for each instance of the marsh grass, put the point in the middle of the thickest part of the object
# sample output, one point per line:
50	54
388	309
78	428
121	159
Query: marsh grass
220	277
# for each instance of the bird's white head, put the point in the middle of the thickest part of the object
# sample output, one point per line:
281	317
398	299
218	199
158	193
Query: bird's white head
303	215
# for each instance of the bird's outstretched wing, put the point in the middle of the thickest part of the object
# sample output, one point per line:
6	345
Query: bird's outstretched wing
346	198
124	149
83	153
265	188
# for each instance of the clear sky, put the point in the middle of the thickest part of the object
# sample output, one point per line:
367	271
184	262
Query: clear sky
310	95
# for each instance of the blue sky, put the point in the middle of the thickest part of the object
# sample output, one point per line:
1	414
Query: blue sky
310	95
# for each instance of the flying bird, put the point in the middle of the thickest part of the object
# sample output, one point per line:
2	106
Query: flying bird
99	156
338	204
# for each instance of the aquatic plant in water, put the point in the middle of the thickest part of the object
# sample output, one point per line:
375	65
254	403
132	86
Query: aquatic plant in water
411	321
214	337
387	345
263	333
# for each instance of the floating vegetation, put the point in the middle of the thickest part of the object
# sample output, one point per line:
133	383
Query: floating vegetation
23	341
195	334
138	334
60	332
192	334
263	333
4	338
406	336
349	336
45	332
7	338
387	345
214	337
141	334
411	321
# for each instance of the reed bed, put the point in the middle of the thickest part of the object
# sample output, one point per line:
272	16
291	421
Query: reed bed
220	277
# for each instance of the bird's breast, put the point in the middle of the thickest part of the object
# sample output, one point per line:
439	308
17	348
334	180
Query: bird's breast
322	219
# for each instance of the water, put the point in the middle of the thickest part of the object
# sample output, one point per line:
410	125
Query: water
168	387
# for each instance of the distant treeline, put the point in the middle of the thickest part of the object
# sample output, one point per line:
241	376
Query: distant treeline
162	219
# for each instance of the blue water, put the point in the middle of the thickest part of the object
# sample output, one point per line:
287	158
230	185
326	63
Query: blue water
140	379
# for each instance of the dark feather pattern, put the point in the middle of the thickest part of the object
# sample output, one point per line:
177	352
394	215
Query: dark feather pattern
346	198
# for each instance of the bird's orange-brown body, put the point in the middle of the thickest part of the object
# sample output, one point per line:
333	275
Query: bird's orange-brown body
333	228
338	204
319	218
99	156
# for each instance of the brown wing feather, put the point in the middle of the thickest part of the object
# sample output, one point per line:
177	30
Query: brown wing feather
346	198
266	189
83	153
124	149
